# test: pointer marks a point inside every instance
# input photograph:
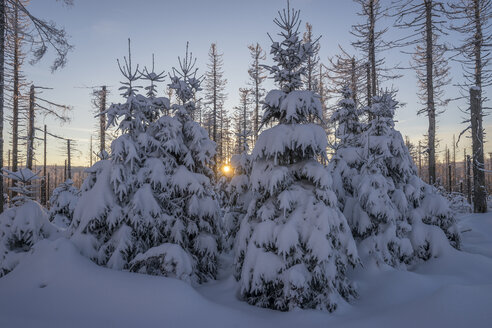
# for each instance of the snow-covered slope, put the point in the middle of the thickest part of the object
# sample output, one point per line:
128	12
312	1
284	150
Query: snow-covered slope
55	286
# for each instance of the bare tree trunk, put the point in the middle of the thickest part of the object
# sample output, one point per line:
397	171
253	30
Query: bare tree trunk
369	92
43	181
353	79
8	182
2	83
420	160
30	129
69	166
214	108
468	178
56	176
372	47
257	94
479	192
90	153
454	162
448	167
48	188
490	169
102	122
431	109
65	171
15	107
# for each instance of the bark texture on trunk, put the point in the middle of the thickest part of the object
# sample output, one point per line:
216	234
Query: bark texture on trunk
479	191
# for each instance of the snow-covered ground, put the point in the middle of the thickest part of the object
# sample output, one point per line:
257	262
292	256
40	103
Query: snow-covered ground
55	286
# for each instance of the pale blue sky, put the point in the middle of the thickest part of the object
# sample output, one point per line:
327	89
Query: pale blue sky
99	30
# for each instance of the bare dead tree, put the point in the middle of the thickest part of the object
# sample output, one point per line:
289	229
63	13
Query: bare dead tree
2	84
425	21
99	104
242	121
41	36
344	69
257	75
471	18
371	42
313	60
215	96
45	107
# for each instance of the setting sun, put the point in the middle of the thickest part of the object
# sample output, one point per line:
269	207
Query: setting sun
226	169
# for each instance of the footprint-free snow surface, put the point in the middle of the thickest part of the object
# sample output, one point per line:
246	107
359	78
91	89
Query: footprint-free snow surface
55	286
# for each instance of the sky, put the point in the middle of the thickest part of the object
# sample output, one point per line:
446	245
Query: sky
99	30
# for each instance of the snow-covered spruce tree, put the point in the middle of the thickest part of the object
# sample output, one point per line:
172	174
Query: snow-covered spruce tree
394	215
22	225
294	245
347	160
122	211
62	204
194	226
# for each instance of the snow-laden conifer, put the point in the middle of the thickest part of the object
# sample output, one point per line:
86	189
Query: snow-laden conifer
294	245
396	218
347	160
62	203
24	224
121	212
193	238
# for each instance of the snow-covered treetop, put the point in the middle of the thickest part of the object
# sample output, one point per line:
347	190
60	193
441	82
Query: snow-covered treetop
290	105
185	81
347	117
130	75
24	178
291	53
138	111
383	106
24	175
154	78
297	106
382	110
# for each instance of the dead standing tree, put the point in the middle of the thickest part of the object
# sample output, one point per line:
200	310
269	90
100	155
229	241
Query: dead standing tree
472	19
257	75
370	41
215	96
69	149
41	36
39	105
425	20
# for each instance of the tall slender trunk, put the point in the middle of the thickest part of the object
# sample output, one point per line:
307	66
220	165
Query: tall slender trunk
69	166
30	129
468	178
102	121
420	160
479	188
48	189
214	108
454	162
372	47
479	192
353	79
368	85
15	107
257	91
44	182
431	109
2	83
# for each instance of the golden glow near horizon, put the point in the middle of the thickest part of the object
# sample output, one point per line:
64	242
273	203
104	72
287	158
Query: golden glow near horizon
227	170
